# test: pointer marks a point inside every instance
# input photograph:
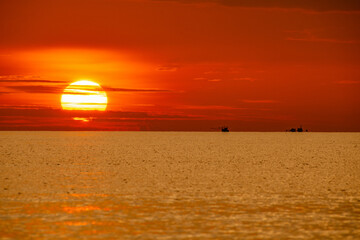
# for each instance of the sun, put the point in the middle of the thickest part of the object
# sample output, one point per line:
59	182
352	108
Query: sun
84	95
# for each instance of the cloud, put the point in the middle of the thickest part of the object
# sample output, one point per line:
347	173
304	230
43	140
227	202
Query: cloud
6	106
43	111
313	36
40	111
317	39
340	6
26	79
245	79
207	79
16	77
347	82
37	89
168	68
329	40
82	119
209	107
111	89
29	81
259	101
60	89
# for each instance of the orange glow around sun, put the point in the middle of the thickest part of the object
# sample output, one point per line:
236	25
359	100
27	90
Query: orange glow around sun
84	95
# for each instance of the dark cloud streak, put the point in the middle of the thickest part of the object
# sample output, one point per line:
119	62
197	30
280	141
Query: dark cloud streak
111	89
36	89
29	81
310	5
45	113
59	89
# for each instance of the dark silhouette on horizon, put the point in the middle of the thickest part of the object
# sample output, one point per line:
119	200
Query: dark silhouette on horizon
225	129
299	129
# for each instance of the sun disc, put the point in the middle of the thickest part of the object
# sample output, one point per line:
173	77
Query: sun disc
84	95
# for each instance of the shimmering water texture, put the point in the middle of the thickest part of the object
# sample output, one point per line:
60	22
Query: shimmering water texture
152	185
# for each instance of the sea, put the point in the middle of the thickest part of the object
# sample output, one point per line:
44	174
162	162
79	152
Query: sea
179	185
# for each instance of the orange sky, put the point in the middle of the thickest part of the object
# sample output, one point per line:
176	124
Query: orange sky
258	65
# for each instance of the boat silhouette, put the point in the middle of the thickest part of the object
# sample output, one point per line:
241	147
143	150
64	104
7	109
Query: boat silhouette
299	129
225	129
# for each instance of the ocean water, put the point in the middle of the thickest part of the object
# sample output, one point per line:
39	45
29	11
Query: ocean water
179	185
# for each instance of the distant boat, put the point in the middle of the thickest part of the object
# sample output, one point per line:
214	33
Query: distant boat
225	129
300	129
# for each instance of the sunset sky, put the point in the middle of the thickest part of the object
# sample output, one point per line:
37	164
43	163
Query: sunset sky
194	65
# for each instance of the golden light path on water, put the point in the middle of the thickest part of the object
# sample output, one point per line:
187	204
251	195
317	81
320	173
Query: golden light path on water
84	95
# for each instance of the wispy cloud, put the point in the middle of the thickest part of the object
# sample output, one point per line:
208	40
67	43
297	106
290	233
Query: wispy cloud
209	107
200	79
347	82
40	117
318	6
168	68
29	81
39	112
26	79
316	39
313	36
7	106
208	79
16	77
259	101
112	89
60	88
245	79
37	89
250	79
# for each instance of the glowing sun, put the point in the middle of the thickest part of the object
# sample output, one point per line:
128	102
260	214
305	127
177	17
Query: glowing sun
84	95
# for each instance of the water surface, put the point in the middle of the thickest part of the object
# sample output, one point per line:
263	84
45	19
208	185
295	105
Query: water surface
169	185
